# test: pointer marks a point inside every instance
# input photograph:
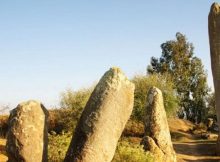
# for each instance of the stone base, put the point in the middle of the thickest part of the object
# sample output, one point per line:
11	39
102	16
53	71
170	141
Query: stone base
150	145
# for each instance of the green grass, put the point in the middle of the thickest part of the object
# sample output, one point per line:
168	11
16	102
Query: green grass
130	152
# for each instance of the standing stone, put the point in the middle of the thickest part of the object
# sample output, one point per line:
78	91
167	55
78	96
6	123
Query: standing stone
103	119
214	41
157	135
27	136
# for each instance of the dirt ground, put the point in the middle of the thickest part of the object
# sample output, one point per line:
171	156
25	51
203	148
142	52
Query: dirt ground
191	147
196	151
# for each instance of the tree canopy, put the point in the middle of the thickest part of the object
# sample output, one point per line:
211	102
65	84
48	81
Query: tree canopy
187	72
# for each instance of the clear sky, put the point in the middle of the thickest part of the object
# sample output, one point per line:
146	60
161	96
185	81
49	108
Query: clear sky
47	46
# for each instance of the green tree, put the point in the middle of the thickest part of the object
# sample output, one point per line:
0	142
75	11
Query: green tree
187	73
211	106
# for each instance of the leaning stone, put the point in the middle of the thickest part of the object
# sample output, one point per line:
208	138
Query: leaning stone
157	135
103	119
27	136
214	41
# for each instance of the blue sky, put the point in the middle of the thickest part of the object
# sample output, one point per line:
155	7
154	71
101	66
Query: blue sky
49	46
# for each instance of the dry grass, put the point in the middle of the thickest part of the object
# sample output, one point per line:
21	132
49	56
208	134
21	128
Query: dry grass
180	125
180	129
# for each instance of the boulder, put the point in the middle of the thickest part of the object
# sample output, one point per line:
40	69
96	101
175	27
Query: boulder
27	135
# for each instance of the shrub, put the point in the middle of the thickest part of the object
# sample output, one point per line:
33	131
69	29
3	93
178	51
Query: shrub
142	86
58	121
72	104
127	152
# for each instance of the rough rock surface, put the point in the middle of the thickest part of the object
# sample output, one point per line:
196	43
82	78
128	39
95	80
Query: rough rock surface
103	119
214	41
27	136
157	135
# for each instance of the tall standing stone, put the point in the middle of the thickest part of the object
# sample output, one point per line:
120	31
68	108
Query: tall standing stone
103	119
214	41
157	135
27	136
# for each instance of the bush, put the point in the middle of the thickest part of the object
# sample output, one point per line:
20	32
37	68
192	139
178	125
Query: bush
142	86
127	152
59	121
72	104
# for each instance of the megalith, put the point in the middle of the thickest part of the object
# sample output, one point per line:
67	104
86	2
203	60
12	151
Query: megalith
214	41
103	119
27	135
157	137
